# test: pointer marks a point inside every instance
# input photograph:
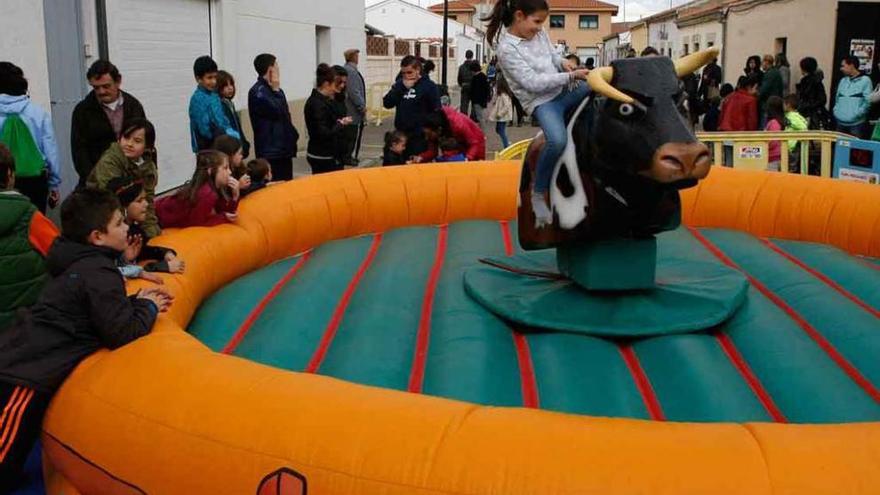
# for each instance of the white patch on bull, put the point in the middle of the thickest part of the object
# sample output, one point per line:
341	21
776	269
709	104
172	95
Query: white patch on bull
571	210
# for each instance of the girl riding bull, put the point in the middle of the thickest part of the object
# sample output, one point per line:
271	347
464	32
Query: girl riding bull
547	85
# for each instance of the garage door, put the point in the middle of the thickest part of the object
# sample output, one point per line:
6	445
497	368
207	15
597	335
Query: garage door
154	45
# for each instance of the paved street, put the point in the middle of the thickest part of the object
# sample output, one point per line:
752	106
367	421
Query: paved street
373	141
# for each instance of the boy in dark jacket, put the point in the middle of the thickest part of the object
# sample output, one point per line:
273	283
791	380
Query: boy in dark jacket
415	97
275	137
82	309
133	200
25	237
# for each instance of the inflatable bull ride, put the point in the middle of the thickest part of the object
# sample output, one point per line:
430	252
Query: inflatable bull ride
381	331
629	152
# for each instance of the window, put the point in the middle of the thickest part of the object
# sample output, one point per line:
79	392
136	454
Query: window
696	47
781	45
685	49
557	21
453	17
588	22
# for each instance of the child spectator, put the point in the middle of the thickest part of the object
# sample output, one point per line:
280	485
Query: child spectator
260	172
395	147
740	112
775	123
794	122
133	156
450	151
83	308
480	93
449	122
25	237
133	199
226	90
501	110
207	119
231	147
209	198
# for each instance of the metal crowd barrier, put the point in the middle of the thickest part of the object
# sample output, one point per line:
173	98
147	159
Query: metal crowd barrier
749	150
375	111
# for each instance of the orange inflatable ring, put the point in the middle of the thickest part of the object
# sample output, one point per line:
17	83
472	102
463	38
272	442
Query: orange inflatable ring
165	415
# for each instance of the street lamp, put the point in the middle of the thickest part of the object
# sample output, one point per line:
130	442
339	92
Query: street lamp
445	42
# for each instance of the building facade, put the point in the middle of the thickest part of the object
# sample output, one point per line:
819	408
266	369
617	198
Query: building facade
638	37
580	25
154	45
408	21
758	28
663	33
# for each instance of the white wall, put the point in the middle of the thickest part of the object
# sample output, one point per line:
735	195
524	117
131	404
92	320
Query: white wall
405	20
707	32
246	28
754	32
656	31
23	42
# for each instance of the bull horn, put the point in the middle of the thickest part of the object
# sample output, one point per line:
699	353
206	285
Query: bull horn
600	82
689	64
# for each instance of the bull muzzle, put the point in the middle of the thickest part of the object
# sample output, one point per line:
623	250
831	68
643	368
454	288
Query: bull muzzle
680	163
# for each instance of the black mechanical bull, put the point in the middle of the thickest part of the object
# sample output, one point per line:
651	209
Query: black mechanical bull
630	150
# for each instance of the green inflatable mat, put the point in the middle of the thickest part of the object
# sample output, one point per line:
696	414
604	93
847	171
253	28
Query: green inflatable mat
528	290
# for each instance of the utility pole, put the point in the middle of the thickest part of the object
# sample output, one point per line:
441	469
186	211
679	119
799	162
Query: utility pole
444	88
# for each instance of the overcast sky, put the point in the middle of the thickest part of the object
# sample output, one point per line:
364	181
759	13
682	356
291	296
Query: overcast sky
634	8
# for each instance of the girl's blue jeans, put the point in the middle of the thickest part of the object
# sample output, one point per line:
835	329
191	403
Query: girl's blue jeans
501	129
551	117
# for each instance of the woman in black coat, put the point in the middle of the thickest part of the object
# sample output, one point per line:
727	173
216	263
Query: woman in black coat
324	123
811	95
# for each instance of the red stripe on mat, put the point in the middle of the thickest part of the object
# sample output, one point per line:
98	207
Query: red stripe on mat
642	382
823	343
259	308
526	371
528	382
831	283
757	387
338	313
505	234
417	372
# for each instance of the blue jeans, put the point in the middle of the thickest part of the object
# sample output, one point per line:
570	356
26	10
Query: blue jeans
501	129
861	131
551	116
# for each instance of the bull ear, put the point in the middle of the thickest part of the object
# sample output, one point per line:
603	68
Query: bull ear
600	82
689	64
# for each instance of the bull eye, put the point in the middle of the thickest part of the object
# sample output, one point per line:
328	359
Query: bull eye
626	109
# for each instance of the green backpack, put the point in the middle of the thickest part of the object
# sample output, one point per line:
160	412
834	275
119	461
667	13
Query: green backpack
17	137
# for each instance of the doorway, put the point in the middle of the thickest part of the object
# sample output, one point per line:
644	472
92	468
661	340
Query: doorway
67	80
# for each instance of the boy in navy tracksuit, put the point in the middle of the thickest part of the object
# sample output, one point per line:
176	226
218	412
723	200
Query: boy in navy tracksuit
83	308
415	97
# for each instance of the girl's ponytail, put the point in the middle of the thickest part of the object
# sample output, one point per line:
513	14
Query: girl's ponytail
501	15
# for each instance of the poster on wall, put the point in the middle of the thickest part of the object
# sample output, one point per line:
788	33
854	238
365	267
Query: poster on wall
864	51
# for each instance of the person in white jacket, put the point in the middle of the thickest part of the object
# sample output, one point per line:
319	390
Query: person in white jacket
546	84
501	109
